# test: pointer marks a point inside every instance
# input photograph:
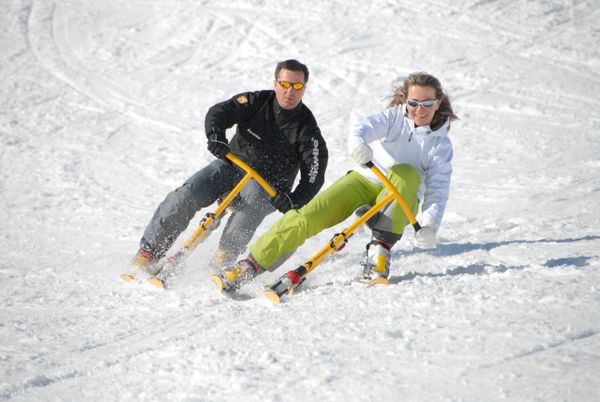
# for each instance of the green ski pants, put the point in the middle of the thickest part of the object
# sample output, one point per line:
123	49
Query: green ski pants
333	206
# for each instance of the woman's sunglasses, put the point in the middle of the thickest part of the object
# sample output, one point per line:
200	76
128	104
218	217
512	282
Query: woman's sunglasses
296	85
415	103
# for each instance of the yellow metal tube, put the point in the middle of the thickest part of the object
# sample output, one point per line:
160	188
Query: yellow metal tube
333	245
390	187
196	237
268	188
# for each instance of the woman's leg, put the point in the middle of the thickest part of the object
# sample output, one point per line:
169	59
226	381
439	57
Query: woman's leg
328	208
389	225
392	218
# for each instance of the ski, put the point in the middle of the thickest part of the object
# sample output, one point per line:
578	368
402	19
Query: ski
128	277
139	275
157	274
286	285
374	282
231	294
136	277
289	283
219	283
158	280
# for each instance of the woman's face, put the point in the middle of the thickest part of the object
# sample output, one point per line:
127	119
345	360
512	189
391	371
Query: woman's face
421	115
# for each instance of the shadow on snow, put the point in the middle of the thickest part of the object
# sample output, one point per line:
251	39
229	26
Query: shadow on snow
444	250
459	248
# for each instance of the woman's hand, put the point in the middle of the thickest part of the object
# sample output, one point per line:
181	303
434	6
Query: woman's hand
361	152
426	237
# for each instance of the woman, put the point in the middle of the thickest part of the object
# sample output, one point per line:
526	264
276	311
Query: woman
409	142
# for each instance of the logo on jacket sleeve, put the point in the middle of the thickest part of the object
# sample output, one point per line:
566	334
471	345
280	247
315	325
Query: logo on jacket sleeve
242	100
314	168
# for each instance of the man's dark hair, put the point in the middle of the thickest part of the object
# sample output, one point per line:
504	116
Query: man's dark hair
292	65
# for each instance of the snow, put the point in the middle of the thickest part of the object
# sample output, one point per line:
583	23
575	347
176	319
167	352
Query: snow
102	114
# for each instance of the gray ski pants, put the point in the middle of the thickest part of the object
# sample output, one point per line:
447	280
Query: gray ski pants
216	180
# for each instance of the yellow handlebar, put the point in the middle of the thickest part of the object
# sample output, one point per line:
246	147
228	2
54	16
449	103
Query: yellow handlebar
253	173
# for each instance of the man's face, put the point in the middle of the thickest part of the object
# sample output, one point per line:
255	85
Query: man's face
289	98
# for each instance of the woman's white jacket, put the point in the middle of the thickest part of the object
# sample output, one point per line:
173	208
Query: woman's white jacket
395	139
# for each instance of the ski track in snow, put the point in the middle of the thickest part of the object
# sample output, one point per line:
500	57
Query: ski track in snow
102	115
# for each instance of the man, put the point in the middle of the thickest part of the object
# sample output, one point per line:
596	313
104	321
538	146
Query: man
276	135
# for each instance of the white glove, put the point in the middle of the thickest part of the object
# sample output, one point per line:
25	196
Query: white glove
361	152
426	237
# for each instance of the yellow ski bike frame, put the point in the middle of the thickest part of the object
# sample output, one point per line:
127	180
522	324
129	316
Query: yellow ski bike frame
207	223
292	279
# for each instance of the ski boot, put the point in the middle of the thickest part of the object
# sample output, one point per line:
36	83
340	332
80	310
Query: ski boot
143	262
377	263
233	278
223	258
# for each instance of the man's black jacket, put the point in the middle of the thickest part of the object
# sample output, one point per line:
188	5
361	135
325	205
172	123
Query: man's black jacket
275	142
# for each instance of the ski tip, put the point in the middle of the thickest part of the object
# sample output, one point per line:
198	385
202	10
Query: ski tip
272	296
378	281
154	281
128	277
218	281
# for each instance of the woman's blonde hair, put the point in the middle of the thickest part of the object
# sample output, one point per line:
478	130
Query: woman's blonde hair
423	79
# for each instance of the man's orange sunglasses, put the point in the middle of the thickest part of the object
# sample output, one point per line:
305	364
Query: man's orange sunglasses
296	85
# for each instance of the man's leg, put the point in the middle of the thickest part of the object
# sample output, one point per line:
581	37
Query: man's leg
173	215
251	209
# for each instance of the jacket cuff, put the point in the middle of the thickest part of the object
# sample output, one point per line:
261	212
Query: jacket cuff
295	202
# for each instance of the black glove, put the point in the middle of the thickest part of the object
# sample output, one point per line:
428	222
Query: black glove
218	144
283	202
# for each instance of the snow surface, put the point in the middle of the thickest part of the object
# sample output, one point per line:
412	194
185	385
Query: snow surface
101	114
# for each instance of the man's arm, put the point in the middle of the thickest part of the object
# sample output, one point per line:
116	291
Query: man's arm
225	114
437	184
314	156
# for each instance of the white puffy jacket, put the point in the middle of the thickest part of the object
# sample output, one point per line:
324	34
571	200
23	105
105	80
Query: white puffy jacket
394	139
